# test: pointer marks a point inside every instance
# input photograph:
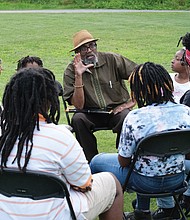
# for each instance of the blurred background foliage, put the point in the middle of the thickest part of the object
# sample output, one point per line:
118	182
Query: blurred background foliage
96	4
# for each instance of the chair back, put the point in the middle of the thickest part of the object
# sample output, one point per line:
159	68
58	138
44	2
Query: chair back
35	185
161	144
165	143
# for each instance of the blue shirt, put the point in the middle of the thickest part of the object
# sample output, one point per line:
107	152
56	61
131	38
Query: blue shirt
146	120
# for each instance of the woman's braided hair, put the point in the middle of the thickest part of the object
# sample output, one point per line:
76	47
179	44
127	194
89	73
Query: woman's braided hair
151	83
30	92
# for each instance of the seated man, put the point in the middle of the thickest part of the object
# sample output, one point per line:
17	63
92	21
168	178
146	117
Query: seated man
31	139
152	88
95	80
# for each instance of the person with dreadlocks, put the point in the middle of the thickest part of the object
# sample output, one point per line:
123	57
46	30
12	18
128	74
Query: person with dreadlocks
31	139
151	88
35	62
29	61
181	66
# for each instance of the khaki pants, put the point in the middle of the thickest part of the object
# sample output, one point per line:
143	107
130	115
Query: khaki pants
102	195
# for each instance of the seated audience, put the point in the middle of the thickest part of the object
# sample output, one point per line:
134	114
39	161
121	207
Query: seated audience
180	64
32	140
181	67
34	62
152	89
29	61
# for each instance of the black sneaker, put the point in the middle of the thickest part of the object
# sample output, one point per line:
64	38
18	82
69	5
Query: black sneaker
166	214
138	215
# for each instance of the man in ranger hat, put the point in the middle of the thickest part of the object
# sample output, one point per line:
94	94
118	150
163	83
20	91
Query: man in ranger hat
95	81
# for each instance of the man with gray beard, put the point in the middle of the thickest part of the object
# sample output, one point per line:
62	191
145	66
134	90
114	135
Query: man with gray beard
94	82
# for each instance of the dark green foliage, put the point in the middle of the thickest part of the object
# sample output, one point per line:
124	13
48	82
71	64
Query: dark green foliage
109	4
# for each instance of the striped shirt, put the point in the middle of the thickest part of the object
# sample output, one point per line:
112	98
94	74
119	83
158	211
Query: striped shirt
55	150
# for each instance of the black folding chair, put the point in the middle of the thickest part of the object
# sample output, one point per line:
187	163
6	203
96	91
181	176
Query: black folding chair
35	185
163	144
69	110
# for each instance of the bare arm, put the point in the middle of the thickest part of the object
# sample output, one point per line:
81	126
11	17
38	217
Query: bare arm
187	156
130	104
78	96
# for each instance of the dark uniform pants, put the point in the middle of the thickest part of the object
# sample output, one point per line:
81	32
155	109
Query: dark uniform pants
84	123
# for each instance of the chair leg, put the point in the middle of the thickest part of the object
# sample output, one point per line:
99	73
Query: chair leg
187	212
179	208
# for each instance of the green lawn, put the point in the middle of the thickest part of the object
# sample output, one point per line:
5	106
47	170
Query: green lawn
138	36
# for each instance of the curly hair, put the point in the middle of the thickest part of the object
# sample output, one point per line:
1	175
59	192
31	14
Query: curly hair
30	92
186	43
22	63
151	83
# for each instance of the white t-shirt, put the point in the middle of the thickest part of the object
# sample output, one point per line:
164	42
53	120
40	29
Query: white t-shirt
179	88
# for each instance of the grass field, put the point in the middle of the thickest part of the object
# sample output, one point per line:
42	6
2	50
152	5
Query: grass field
141	36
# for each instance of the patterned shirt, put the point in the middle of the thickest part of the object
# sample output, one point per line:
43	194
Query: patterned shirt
146	120
56	151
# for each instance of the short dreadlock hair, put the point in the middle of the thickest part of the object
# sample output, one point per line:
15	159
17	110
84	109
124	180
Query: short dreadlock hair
30	92
151	83
22	63
186	43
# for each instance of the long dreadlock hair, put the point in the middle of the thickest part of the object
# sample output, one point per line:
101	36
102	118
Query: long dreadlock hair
30	92
151	83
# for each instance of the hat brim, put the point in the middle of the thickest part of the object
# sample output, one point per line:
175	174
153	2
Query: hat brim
84	42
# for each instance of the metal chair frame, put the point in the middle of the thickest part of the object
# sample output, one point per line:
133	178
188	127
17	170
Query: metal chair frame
163	144
69	111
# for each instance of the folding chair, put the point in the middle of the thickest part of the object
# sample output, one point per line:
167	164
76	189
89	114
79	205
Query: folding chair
35	185
186	208
71	109
162	144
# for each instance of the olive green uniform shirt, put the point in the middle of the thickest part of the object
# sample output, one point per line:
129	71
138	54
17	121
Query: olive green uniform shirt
104	85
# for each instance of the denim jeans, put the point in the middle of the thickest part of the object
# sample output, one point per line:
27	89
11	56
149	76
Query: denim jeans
187	170
168	202
109	162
